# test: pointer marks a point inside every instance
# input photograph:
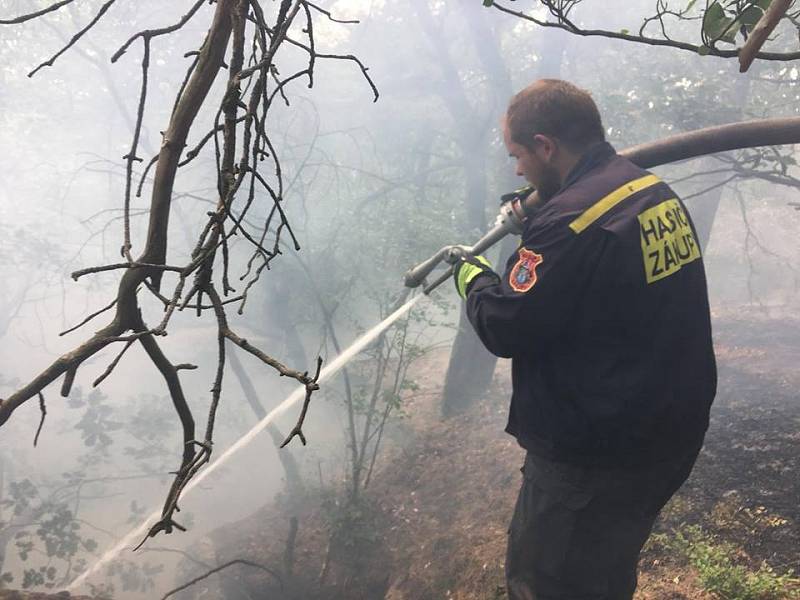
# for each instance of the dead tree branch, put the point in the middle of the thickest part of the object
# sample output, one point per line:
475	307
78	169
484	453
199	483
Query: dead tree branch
151	33
238	561
43	410
50	61
113	364
240	127
89	318
36	14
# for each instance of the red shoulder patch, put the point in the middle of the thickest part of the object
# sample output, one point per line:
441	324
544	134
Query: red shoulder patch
523	274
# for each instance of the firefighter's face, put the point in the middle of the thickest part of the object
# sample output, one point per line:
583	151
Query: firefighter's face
535	163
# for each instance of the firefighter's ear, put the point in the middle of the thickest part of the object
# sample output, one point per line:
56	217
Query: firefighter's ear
545	146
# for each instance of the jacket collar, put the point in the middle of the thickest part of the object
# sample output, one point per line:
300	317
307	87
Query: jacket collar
594	156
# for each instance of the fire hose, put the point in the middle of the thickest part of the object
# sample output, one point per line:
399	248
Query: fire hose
710	140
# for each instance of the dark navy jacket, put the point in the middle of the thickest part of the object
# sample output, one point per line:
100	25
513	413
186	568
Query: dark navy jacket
604	311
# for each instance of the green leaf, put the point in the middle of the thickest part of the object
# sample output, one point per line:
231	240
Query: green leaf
704	50
691	4
715	22
624	31
750	17
488	2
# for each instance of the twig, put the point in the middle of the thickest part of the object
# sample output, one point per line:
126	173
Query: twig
328	14
191	154
113	364
132	265
166	301
349	57
69	379
143	177
297	430
131	157
196	56
151	33
238	561
43	410
38	13
277	201
89	318
49	62
282	369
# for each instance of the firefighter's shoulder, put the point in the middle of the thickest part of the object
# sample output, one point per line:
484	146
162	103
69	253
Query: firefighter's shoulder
617	191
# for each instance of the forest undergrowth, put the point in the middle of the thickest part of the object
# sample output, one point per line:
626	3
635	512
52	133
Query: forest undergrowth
433	522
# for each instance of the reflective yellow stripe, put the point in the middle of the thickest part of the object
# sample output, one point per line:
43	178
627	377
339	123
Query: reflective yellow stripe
601	207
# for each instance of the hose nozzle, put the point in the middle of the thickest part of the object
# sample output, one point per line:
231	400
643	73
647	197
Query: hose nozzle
510	220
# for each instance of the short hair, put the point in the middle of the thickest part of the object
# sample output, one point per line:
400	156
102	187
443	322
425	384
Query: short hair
556	108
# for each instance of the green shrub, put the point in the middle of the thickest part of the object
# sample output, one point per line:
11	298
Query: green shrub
719	572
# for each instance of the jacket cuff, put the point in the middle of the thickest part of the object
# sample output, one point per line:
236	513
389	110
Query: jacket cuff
483	280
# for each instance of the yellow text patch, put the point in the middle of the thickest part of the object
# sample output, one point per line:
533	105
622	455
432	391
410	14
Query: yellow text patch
668	241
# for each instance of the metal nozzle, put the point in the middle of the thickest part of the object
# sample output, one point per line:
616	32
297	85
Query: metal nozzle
510	220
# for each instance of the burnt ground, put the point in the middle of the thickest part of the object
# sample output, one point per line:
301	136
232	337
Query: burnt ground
434	518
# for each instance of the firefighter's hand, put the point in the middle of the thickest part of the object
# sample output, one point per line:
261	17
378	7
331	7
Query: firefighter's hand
521	194
467	268
527	199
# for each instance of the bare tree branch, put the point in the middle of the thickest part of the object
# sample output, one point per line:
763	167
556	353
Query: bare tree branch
50	61
109	306
148	34
131	157
328	14
113	364
238	561
36	14
43	410
240	123
311	386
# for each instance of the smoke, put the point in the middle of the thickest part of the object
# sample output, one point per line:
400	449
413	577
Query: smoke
370	189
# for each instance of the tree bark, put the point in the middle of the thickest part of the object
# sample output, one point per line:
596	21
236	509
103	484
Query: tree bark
471	367
703	209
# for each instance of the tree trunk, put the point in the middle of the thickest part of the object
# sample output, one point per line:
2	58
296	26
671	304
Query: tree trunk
469	371
471	367
703	209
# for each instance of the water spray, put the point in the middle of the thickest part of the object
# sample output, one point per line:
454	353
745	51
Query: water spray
333	367
766	132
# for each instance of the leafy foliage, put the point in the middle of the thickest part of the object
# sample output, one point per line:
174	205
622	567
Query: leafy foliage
45	515
96	422
724	21
720	570
45	526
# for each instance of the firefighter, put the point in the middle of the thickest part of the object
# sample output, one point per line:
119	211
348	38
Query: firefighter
603	310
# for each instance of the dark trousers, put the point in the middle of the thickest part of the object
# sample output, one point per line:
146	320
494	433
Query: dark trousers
577	531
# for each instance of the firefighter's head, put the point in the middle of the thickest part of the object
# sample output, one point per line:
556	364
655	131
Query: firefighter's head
547	127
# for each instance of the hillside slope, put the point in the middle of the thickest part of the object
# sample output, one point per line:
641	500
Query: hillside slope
433	523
